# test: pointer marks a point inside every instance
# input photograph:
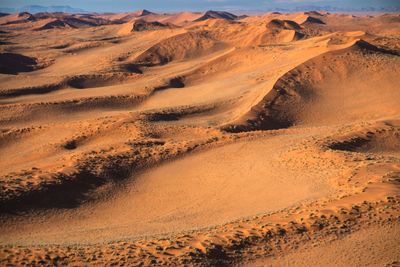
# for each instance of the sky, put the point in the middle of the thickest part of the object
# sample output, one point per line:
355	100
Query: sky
197	5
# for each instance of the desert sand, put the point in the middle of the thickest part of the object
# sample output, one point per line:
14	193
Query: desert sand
199	139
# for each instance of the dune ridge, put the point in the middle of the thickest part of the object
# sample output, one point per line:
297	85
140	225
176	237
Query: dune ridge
293	93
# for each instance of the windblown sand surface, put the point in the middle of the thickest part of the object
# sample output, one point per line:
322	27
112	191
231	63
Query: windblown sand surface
199	139
374	246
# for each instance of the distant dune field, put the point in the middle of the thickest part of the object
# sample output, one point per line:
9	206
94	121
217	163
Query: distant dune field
199	139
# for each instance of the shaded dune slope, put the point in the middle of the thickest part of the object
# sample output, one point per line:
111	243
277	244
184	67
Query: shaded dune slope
329	89
12	63
383	138
54	24
283	24
217	15
141	25
69	21
17	18
179	47
282	31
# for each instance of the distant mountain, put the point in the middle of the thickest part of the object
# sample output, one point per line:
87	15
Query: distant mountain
301	8
39	9
217	14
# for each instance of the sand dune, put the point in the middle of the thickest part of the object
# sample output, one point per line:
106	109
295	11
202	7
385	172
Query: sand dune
180	194
374	246
217	15
179	47
282	31
182	18
330	94
17	18
199	138
277	24
309	20
140	25
125	17
45	21
52	24
13	63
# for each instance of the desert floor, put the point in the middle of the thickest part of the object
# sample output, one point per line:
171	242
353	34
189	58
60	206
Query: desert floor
201	139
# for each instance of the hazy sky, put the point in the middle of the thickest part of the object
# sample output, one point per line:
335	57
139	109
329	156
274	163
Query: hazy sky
177	5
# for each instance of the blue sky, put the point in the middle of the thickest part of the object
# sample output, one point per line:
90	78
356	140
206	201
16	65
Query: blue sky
196	5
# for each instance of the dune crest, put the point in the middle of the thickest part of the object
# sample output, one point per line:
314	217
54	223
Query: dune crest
217	15
178	47
299	96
